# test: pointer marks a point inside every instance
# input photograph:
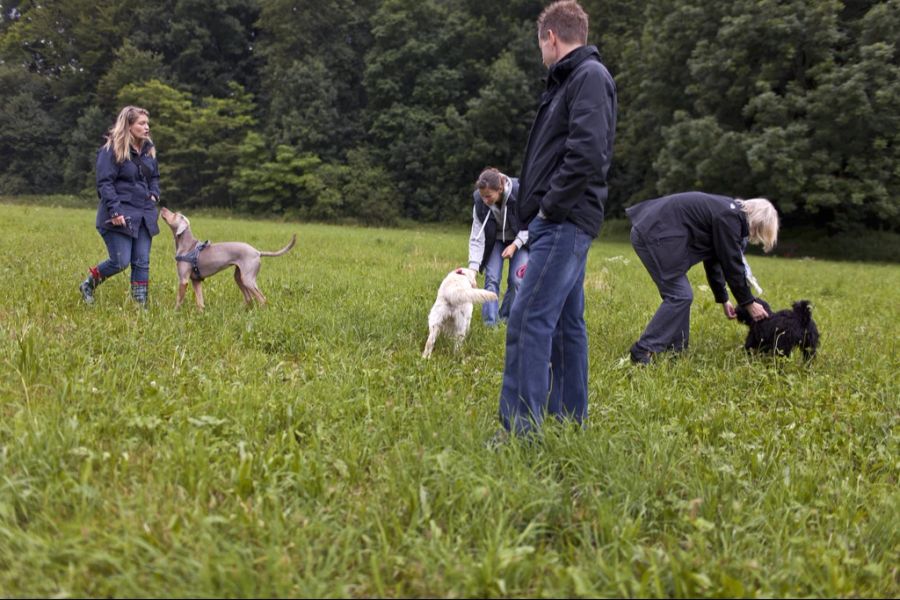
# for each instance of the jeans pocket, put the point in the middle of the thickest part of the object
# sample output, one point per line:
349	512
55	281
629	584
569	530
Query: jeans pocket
582	243
537	228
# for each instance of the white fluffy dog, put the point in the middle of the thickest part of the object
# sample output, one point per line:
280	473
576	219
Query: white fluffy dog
452	311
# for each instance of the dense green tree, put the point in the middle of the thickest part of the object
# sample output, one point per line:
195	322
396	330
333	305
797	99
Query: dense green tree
304	111
82	143
430	63
206	44
355	191
130	65
285	183
65	39
650	84
782	103
314	57
29	134
379	109
52	55
198	143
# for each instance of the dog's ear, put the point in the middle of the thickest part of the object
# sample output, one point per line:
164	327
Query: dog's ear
459	272
183	224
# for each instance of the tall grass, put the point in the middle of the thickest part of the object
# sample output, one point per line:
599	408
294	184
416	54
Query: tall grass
305	448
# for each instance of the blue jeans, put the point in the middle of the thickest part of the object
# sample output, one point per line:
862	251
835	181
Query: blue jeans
546	337
124	250
493	272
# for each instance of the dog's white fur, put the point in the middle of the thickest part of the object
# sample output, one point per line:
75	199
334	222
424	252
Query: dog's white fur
452	310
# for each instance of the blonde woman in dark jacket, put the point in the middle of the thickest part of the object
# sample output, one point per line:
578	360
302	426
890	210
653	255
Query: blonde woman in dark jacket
128	191
673	233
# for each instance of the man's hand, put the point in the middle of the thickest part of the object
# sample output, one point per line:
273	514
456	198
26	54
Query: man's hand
509	251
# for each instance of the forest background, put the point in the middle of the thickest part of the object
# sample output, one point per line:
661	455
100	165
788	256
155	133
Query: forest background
382	111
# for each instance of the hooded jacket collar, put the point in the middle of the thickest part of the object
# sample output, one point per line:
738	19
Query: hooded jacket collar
562	69
145	148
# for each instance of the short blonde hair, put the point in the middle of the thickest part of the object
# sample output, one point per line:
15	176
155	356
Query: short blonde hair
567	20
763	221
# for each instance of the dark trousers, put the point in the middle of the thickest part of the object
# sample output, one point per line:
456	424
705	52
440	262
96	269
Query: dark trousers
667	262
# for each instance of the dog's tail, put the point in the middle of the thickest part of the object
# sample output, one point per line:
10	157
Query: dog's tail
803	310
283	250
475	295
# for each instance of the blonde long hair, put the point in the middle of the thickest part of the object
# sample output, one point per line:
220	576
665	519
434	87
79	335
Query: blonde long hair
120	138
763	221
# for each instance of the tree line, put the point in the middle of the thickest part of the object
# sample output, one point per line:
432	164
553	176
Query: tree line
379	110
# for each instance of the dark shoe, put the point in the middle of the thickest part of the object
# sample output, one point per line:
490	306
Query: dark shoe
500	438
87	290
641	358
527	439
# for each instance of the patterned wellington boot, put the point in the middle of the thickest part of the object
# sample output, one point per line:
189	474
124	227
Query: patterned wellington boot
139	292
88	286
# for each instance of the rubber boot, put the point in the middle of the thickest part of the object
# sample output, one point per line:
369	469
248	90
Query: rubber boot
139	292
90	284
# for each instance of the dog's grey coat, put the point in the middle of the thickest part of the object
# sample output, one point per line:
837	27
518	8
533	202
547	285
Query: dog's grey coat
244	257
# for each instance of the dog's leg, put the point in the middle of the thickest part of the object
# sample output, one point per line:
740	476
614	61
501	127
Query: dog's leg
248	278
462	321
782	343
237	279
429	344
258	294
198	293
182	288
460	328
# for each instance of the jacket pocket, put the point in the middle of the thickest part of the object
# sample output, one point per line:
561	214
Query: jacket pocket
671	254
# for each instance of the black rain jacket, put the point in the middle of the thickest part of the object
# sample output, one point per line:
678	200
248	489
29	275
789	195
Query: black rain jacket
712	229
570	146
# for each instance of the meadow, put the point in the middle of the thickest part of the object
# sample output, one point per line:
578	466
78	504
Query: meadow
306	449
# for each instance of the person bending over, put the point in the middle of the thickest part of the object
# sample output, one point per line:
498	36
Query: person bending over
672	233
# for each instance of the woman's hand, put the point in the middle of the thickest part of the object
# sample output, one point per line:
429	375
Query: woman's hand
729	310
118	220
509	251
757	312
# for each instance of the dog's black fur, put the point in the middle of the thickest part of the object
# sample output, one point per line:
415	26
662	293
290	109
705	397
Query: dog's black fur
782	331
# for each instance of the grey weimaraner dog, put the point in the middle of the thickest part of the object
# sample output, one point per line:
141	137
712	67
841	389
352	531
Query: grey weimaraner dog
197	260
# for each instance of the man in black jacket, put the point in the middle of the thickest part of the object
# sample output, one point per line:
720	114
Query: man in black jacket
563	188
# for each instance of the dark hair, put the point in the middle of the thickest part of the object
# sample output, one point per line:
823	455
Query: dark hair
567	20
490	178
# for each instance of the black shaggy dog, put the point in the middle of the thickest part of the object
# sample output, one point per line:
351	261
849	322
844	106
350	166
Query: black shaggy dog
782	331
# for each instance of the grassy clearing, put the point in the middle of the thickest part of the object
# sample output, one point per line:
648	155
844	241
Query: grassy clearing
306	450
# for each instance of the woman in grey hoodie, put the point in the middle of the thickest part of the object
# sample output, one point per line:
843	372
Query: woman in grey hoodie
496	237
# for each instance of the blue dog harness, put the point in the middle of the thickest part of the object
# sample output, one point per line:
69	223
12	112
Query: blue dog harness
192	257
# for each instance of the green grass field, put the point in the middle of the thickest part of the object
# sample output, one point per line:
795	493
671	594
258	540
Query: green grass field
305	448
